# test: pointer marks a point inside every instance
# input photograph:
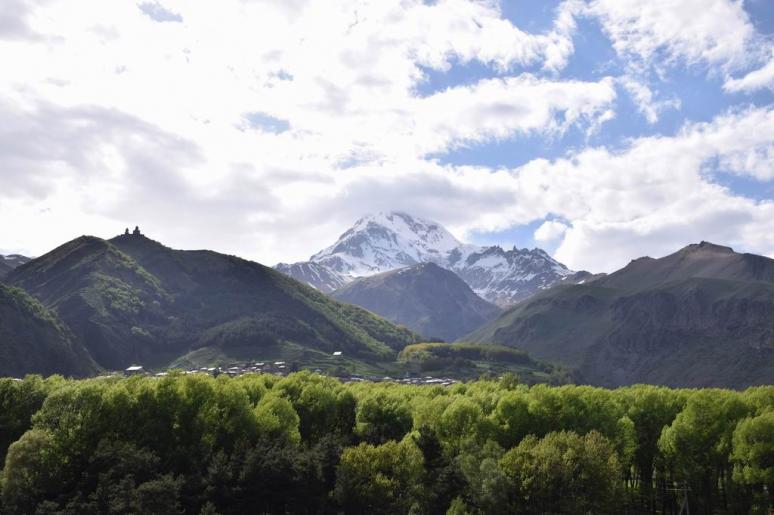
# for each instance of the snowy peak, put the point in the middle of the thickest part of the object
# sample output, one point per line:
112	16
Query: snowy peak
385	241
506	277
314	274
382	242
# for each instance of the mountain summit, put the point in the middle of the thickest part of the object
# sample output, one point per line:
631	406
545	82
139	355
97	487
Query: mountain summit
386	241
382	242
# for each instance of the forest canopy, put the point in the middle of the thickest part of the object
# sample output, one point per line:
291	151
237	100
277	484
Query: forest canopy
311	444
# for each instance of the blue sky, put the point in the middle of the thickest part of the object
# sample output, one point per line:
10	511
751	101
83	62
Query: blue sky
599	130
699	97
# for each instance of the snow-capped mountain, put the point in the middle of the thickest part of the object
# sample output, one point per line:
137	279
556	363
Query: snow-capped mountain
386	241
508	276
314	274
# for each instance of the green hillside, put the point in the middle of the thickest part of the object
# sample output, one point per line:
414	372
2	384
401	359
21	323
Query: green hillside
133	300
32	339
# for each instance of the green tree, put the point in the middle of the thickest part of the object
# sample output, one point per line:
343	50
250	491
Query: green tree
697	445
461	420
564	473
379	479
382	417
650	408
32	470
276	418
19	401
753	453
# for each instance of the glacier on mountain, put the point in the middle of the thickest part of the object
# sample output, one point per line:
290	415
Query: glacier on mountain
387	241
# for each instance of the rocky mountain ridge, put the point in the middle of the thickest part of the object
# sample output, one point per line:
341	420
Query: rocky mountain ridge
382	242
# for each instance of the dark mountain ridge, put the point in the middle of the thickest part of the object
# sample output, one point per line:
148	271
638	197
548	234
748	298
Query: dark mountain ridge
426	298
699	317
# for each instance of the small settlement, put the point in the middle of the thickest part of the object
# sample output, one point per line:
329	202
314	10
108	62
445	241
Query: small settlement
281	368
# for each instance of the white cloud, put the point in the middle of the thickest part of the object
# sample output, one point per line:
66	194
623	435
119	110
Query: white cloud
550	231
195	128
710	32
644	98
657	195
651	197
757	79
499	108
268	139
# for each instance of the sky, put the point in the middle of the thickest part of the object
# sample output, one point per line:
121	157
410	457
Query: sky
599	130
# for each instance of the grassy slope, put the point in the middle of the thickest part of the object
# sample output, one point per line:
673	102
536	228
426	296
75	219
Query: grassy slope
133	300
32	339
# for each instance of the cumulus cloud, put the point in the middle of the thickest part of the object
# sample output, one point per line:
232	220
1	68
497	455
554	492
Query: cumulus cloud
549	231
15	20
268	139
657	195
715	34
498	108
757	79
710	32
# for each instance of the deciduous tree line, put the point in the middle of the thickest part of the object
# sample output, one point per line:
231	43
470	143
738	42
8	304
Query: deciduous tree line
310	444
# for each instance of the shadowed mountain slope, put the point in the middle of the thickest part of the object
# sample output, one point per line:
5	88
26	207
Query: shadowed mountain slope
34	340
703	316
426	298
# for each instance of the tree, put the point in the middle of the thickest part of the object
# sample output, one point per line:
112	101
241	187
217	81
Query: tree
19	401
461	420
512	418
382	417
563	473
442	480
650	408
32	469
487	486
276	418
379	479
697	444
753	453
